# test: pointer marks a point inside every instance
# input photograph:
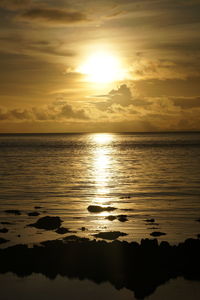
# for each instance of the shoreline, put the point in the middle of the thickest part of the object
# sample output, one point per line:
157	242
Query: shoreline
140	268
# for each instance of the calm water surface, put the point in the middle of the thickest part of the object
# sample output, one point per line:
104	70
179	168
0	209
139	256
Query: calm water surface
142	175
38	287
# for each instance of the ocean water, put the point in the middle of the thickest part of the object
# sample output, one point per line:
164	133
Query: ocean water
148	175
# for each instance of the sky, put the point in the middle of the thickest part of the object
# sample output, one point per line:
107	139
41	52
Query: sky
99	66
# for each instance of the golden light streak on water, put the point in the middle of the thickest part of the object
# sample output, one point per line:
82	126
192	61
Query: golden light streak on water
102	164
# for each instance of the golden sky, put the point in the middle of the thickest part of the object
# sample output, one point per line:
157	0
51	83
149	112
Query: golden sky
86	65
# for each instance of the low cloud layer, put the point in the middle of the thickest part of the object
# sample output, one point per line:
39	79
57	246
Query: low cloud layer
120	108
57	111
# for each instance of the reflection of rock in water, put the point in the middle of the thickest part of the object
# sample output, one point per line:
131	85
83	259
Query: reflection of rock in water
140	268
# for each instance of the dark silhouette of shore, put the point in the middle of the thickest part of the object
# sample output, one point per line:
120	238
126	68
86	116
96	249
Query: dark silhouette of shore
137	267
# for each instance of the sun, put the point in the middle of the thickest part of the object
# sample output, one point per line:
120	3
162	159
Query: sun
102	67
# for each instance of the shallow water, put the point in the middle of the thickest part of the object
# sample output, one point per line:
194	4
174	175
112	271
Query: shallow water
142	175
39	287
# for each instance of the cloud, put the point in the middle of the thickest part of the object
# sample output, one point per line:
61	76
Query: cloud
186	102
53	16
123	106
121	97
24	45
163	69
68	112
15	114
14	4
56	111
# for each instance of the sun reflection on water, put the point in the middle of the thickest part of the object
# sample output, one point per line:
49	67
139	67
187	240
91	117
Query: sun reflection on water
102	166
102	138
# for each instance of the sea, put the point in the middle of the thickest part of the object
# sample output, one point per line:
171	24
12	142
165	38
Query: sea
152	179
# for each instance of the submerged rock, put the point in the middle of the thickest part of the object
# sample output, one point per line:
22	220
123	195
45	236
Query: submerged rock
127	209
125	197
150	220
110	235
62	230
3	230
7	223
75	238
47	223
2	240
13	211
83	228
157	233
38	207
98	209
122	218
153	228
111	218
33	214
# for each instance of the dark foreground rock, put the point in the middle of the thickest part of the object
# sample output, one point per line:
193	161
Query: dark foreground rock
47	223
109	235
13	211
98	209
137	267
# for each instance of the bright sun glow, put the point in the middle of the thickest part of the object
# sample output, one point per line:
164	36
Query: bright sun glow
102	138
102	68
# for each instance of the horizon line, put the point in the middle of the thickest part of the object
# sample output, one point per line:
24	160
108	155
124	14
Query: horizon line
103	132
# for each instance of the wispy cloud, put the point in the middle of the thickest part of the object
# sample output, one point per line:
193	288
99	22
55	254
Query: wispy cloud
53	16
14	4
